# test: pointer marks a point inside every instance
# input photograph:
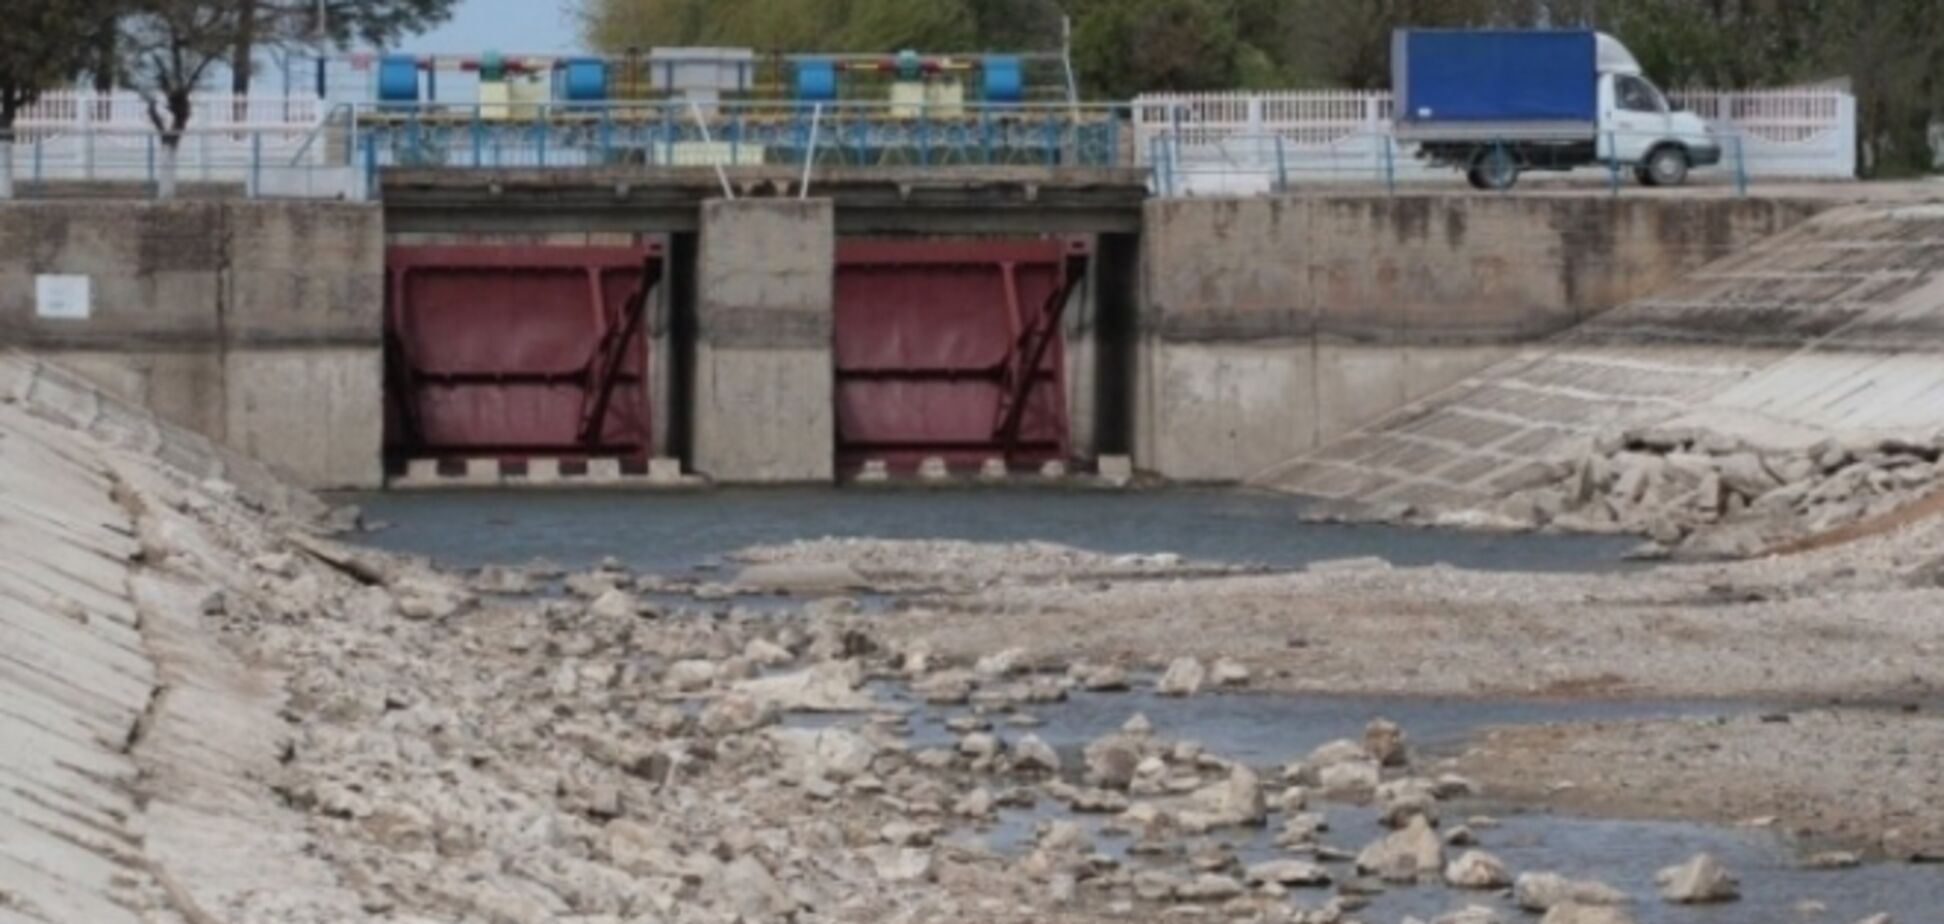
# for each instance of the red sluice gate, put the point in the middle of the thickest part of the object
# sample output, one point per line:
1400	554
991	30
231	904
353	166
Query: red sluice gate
519	352
954	349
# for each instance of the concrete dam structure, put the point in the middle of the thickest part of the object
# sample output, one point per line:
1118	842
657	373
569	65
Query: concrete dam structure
514	328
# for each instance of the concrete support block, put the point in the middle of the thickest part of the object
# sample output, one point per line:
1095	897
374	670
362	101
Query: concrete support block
422	471
1117	471
664	471
1054	468
993	470
482	472
932	468
604	471
543	471
875	471
763	395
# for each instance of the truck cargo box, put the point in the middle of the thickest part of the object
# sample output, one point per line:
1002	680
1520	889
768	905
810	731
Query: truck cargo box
1522	83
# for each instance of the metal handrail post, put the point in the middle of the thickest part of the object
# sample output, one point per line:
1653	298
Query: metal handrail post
1613	161
1741	166
1282	167
1390	163
810	150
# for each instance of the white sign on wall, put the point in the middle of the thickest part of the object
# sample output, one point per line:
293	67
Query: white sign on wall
64	298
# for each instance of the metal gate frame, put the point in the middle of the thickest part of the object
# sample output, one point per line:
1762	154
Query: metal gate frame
1030	421
616	363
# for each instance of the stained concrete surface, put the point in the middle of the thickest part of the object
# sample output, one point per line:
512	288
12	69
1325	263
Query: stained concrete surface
1832	328
763	386
1274	326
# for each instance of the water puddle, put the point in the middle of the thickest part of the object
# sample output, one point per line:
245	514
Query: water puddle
671	533
1776	889
1266	730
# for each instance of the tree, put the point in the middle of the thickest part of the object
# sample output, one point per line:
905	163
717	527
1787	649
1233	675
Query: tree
43	43
167	46
343	23
1125	47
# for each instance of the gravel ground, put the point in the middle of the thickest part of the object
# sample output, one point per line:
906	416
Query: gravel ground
1858	624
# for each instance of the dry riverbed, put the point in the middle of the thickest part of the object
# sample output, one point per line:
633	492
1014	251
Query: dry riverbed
381	740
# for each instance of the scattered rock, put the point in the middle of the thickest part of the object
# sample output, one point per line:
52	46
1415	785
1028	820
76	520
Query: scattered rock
979	746
1111	760
834	754
614	603
1002	664
1541	891
689	676
1233	802
1101	678
1476	869
946	688
1184	677
900	864
1228	672
831	686
1352	780
801	578
1405	855
763	652
1033	755
1473	914
1300	873
1385	742
1699	881
1576	913
1209	887
1833	859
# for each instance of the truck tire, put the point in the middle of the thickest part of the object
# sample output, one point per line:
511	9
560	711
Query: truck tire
1666	165
1493	171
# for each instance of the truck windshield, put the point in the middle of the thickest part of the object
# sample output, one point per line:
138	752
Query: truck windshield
1637	95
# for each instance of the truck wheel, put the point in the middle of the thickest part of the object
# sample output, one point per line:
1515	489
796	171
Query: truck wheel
1667	165
1494	171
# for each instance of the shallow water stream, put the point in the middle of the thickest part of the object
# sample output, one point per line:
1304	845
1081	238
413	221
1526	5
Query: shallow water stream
674	532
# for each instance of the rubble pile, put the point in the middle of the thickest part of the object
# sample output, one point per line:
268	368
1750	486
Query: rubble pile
1703	493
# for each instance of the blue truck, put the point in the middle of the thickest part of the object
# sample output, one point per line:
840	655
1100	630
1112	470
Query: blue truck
1496	103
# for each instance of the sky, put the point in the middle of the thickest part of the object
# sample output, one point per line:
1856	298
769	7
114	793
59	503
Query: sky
512	26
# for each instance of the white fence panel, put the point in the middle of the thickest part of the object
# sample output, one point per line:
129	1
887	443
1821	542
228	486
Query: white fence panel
1222	143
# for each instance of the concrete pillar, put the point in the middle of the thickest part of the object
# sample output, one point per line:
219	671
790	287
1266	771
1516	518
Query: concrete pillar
763	408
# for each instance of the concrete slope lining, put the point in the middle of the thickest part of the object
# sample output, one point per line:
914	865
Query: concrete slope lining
136	745
1834	327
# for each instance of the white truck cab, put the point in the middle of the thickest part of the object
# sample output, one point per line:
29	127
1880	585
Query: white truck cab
1639	127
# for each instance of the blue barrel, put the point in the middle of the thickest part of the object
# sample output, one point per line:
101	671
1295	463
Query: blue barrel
398	79
1005	79
816	80
584	80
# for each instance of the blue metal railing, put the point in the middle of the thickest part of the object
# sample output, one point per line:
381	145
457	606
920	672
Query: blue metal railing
545	135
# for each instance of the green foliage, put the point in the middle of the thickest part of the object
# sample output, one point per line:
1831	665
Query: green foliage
43	43
1125	47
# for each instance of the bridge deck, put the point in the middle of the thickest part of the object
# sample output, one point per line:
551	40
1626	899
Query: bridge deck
877	200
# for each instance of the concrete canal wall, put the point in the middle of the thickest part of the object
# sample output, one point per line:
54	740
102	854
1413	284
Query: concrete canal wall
1272	326
253	323
1226	337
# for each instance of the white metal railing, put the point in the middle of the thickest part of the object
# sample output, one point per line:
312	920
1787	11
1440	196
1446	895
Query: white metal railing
1239	142
63	110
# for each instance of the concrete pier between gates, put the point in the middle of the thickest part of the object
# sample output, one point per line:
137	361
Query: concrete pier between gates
762	391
